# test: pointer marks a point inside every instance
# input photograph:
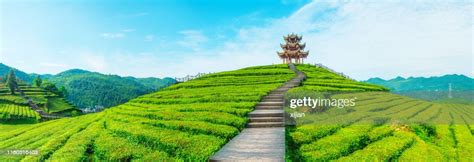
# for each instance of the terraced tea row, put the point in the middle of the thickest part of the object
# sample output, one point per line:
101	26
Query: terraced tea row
380	127
320	79
185	121
42	101
11	111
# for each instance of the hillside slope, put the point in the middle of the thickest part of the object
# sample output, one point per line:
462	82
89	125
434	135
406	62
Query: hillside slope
187	121
15	108
91	89
192	120
4	69
380	126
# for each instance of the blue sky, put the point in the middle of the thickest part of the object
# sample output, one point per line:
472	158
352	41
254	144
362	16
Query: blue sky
176	38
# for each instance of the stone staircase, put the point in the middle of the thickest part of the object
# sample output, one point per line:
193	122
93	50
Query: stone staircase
35	107
269	112
264	137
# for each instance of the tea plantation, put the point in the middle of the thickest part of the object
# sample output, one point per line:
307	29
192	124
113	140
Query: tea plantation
15	108
380	127
190	121
186	121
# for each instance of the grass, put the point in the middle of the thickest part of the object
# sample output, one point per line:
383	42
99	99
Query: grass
56	104
15	108
380	127
188	121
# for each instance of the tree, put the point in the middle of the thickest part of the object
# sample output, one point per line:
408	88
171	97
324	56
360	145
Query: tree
11	81
50	87
63	91
37	82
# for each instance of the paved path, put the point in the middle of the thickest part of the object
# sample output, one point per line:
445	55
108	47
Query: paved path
264	137
35	107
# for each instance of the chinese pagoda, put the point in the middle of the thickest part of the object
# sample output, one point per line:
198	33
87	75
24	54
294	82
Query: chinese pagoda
293	49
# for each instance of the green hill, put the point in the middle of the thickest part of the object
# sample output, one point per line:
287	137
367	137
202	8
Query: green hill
91	89
192	120
4	69
380	127
15	108
432	88
154	83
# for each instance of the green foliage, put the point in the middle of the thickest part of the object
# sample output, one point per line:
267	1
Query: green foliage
384	150
49	86
46	100
380	127
76	149
4	70
63	91
38	81
188	121
347	140
14	99
57	104
89	89
319	79
16	112
11	81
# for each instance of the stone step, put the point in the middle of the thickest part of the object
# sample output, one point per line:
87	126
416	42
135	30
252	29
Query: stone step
270	104
265	124
273	100
254	144
273	97
266	113
289	86
294	81
266	119
268	107
281	91
275	94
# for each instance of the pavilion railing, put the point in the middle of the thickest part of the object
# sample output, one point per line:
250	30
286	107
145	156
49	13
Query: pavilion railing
333	71
190	77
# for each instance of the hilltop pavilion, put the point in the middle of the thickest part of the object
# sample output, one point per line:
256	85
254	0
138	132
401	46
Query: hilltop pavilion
293	49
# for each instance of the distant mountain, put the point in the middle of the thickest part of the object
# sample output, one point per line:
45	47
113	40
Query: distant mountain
154	83
90	89
432	88
4	69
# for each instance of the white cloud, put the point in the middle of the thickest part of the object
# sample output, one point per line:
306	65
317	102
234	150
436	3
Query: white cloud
192	39
390	39
112	35
94	61
149	38
363	40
